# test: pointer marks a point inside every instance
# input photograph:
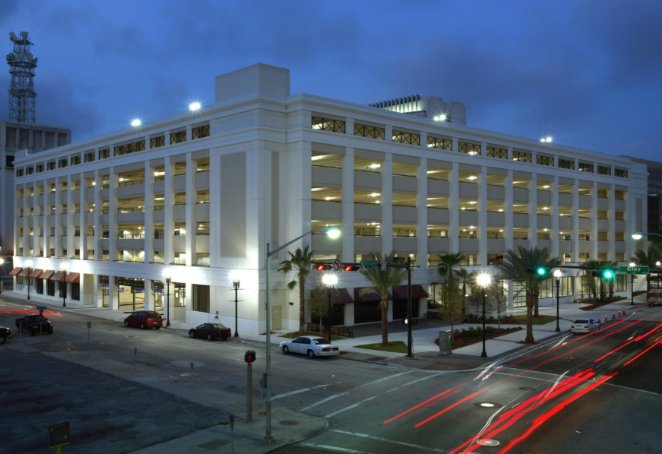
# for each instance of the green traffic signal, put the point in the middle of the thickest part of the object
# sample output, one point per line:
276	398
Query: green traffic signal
541	271
608	274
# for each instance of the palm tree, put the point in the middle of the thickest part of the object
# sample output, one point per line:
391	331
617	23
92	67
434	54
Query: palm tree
520	267
446	269
647	259
383	277
301	262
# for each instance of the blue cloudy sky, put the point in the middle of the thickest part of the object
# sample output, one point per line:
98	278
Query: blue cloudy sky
588	72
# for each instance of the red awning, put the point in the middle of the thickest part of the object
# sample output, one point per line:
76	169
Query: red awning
367	295
58	276
35	273
341	296
24	272
74	278
417	292
46	274
15	271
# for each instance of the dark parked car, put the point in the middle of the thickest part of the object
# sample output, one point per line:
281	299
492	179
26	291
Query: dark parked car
5	333
144	319
210	331
34	324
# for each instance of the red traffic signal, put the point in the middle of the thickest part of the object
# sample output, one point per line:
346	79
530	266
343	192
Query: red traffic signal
350	266
317	266
249	356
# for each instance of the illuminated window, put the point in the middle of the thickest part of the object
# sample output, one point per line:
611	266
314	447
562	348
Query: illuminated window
410	138
521	156
469	148
494	151
327	124
440	143
373	132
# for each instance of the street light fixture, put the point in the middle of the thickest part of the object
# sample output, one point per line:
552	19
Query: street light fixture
558	274
332	233
166	276
632	285
329	280
639	235
484	280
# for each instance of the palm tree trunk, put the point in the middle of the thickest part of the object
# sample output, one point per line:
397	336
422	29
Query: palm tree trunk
302	307
529	321
383	305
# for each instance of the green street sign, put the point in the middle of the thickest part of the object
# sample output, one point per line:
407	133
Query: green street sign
633	270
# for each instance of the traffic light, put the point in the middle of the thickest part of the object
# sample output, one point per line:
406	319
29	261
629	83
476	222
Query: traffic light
608	274
539	271
350	266
319	266
249	356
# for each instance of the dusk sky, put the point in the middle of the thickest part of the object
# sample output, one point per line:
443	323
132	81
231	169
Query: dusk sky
587	72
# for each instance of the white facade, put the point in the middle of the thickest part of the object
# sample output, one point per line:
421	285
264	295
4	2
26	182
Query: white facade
199	197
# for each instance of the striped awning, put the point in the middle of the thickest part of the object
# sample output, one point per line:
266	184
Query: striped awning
35	273
15	271
58	276
341	296
367	295
417	292
73	278
25	272
46	274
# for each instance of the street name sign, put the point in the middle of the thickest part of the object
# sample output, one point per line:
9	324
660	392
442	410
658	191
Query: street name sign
633	269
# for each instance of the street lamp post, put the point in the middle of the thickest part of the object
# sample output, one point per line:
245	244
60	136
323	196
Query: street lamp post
557	274
410	351
331	233
29	264
329	280
483	280
2	263
235	286
632	285
166	276
63	287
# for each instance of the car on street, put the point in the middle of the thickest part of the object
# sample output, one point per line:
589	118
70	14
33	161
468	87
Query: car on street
34	324
310	346
210	331
144	319
5	333
585	325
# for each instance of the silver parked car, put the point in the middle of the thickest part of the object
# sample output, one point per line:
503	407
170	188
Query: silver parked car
585	325
311	346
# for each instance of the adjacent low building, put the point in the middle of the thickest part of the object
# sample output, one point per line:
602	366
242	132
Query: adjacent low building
197	200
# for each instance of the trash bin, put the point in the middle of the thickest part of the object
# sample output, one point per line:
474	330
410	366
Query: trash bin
445	342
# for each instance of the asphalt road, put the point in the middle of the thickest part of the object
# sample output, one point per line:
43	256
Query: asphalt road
586	393
145	387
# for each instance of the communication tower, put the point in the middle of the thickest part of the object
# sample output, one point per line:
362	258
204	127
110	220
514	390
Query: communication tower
21	89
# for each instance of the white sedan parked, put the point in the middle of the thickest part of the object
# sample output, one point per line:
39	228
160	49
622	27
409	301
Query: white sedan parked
311	346
585	325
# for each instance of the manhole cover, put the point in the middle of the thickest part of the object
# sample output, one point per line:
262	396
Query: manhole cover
488	442
289	422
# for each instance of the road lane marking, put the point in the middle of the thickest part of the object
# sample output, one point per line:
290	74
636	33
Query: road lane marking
386	440
331	415
333	448
323	401
299	391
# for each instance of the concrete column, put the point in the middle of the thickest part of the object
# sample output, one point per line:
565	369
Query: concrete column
508	210
82	222
422	213
46	226
348	250
148	242
98	225
386	201
533	211
594	223
453	207
112	215
214	209
191	199
168	212
58	219
555	236
69	225
482	215
148	299
575	221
